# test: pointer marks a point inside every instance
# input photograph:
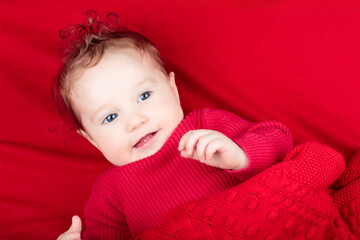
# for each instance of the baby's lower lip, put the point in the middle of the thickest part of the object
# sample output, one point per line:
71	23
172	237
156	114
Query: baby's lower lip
144	140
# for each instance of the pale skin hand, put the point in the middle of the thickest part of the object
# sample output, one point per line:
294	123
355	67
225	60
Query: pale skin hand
74	232
213	148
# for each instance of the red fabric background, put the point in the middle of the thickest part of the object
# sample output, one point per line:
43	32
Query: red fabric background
292	61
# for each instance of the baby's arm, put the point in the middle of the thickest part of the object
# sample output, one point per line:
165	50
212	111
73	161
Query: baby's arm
103	212
264	143
74	232
213	148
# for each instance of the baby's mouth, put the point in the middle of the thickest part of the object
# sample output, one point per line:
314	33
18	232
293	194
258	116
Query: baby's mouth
144	139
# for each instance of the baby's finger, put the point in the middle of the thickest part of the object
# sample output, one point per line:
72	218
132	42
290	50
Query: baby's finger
74	236
74	232
69	236
183	140
202	144
187	155
212	148
191	140
75	224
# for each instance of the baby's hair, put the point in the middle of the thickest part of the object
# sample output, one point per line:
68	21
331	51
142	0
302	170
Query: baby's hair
84	47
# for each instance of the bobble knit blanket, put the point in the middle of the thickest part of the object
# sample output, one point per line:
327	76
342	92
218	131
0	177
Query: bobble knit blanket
288	201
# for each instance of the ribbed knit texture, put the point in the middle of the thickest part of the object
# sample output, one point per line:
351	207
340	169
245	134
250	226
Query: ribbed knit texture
129	200
287	201
347	198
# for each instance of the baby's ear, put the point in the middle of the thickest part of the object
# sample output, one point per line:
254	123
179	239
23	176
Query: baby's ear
87	136
172	77
173	84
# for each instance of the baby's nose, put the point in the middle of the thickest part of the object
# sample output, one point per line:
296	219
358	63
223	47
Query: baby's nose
135	121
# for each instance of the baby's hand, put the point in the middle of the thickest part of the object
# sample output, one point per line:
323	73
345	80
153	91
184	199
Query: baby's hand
74	232
212	148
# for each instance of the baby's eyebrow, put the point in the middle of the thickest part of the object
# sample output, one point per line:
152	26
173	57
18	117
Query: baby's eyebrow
143	82
96	112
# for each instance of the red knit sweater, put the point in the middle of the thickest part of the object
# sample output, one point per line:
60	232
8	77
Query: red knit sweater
129	200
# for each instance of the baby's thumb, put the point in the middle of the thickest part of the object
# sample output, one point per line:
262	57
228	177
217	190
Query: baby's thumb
75	224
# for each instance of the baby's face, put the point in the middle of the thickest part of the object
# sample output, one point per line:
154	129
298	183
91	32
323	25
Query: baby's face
128	106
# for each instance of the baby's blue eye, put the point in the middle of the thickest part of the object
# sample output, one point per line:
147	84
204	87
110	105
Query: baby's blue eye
144	96
110	118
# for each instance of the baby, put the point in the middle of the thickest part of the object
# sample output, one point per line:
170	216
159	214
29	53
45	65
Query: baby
127	105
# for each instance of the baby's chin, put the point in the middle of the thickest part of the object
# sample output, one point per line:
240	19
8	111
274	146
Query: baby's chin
157	146
150	152
138	154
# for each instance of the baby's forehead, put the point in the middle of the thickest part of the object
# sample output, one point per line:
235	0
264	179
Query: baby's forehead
118	62
130	54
